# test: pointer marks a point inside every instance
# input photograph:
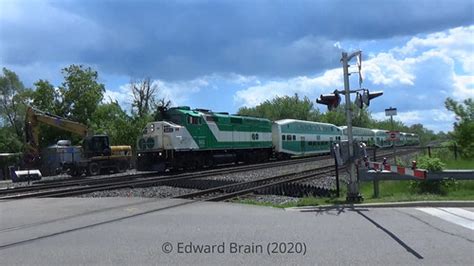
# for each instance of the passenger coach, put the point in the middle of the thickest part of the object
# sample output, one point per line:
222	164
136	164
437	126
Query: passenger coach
361	134
303	138
381	137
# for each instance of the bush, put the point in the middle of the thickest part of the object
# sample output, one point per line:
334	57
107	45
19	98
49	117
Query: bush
430	164
432	186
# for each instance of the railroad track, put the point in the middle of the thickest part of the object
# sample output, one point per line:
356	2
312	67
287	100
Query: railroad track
77	187
233	190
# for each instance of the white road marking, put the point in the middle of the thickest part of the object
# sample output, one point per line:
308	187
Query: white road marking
454	215
460	212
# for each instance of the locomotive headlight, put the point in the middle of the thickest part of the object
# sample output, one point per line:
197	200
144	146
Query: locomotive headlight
159	153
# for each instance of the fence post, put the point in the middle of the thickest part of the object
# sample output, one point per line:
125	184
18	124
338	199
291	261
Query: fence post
455	151
376	186
429	151
337	176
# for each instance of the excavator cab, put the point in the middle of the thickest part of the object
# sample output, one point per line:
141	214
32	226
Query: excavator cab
97	145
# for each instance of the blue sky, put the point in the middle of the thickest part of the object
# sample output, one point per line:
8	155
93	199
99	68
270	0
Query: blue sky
222	55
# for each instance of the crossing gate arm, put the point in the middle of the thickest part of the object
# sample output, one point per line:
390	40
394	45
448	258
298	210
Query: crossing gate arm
380	171
456	174
390	172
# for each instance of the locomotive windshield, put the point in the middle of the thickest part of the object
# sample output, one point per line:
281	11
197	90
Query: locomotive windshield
176	119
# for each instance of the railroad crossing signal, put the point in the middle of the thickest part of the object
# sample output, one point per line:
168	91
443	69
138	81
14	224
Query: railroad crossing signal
332	100
365	96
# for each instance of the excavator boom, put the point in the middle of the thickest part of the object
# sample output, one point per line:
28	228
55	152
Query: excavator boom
35	116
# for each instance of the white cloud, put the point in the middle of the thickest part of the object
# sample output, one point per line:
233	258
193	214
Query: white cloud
457	43
384	69
254	95
463	86
180	92
434	119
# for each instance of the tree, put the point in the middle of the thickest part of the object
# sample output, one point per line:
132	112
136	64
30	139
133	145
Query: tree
282	108
110	119
145	105
81	93
361	117
13	98
425	135
464	127
9	142
336	117
45	97
143	96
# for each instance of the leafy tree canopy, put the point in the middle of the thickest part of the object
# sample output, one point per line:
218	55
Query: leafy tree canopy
464	127
284	107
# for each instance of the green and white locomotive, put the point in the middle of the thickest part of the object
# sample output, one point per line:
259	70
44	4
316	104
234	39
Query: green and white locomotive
303	138
188	138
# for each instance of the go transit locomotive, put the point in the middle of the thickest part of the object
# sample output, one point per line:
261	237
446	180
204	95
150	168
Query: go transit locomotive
194	138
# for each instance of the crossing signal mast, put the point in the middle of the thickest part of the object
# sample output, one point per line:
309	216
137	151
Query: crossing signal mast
363	97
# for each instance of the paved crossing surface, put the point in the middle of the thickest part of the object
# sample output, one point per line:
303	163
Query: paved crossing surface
122	231
457	216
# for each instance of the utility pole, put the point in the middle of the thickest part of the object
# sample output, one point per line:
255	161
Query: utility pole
332	101
353	194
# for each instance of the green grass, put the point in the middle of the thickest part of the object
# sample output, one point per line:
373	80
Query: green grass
390	191
459	164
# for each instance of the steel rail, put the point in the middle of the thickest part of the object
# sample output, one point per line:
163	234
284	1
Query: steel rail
257	184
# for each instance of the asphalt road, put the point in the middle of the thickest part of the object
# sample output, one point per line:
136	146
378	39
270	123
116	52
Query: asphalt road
122	231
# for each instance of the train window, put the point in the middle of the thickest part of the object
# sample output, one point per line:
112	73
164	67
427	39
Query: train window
256	136
209	118
282	137
294	137
318	137
288	137
194	120
168	129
